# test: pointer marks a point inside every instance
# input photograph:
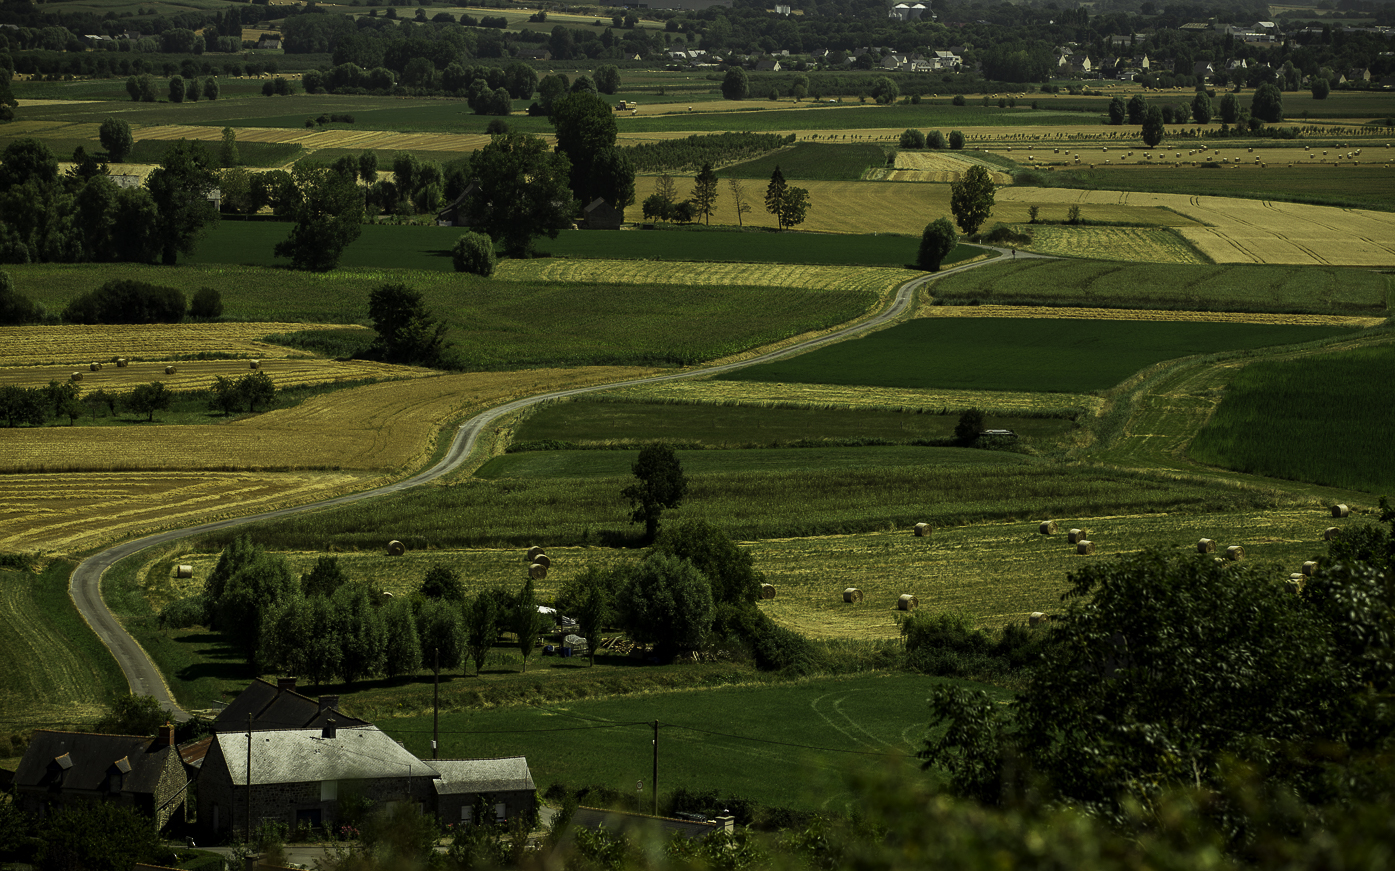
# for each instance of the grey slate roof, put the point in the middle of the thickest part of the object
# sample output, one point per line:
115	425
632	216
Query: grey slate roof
274	708
305	756
482	775
93	760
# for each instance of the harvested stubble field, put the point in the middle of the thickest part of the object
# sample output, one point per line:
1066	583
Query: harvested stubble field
857	279
1124	314
938	166
351	138
1000	572
164	476
1130	244
891	207
1236	287
1069	354
200	374
1251	231
80	344
782	395
60	675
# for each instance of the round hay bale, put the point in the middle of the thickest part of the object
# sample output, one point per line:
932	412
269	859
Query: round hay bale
1340	510
923	529
533	552
1075	536
852	595
183	571
1036	618
1206	545
1235	553
1309	567
542	560
255	364
170	370
907	602
1084	547
767	591
1294	586
396	548
1048	527
1330	533
121	363
76	376
115	359
537	571
94	367
387	595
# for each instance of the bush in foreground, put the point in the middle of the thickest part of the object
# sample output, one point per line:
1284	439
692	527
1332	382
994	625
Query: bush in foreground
474	253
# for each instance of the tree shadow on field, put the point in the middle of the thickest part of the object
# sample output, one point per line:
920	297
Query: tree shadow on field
216	657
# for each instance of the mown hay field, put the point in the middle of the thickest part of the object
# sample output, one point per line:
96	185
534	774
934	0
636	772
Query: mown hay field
66	513
79	344
1250	231
60	675
939	166
786	395
1123	314
999	573
1074	355
1335	420
1209	288
200	374
1130	244
863	279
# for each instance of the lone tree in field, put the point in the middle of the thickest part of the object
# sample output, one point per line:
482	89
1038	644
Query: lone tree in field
660	484
148	399
736	86
738	197
956	140
115	136
1153	129
971	199
474	253
788	204
407	331
1117	110
969	426
1322	86
1202	109
1267	104
705	193
936	242
328	213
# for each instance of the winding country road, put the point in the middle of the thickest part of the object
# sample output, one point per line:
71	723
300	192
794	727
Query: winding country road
145	678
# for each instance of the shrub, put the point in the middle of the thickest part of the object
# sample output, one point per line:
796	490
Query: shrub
956	140
958	100
207	304
127	302
474	253
935	139
184	613
912	139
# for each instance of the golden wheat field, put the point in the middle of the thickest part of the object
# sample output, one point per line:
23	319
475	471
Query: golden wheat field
71	513
200	374
1133	244
1120	314
79	344
939	167
1363	152
312	140
1250	231
873	279
833	396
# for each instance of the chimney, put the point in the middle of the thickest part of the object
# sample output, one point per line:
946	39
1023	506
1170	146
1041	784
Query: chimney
285	683
329	730
329	703
166	738
726	824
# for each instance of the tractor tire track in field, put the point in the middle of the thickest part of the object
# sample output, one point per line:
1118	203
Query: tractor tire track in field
142	674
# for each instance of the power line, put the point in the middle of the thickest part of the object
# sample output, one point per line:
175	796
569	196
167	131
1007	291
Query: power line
777	743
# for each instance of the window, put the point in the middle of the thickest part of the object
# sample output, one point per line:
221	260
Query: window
329	790
500	812
467	815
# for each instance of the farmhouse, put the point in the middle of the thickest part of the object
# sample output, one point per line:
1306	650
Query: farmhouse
457	212
61	768
279	706
601	215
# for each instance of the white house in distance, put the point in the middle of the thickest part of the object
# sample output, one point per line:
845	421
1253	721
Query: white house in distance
906	12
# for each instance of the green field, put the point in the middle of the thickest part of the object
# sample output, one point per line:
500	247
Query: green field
1029	354
59	672
509	512
781	746
1322	419
548	465
812	160
1366	186
1109	284
386	246
600	423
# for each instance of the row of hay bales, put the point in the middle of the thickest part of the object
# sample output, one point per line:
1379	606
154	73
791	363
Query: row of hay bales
853	596
1077	537
538	563
121	363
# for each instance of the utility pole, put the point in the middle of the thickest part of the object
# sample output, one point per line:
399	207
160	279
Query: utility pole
247	831
655	783
436	709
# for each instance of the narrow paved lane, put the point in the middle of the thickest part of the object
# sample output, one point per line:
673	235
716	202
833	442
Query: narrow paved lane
145	678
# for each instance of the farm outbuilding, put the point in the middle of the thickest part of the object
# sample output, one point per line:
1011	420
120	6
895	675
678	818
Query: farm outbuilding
601	215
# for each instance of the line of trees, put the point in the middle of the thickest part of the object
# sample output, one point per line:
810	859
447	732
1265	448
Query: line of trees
35	406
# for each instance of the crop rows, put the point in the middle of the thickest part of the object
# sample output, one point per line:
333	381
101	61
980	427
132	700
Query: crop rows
1127	314
868	279
783	395
1091	284
938	166
200	374
80	344
1131	244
